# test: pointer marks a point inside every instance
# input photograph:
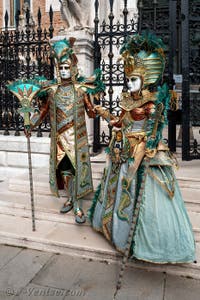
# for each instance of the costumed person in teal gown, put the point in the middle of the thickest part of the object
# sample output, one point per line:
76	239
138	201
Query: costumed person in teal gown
66	99
139	190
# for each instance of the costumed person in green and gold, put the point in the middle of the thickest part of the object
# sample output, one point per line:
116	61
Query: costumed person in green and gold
67	99
138	202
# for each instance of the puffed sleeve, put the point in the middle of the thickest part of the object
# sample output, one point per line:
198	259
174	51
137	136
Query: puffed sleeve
40	114
89	107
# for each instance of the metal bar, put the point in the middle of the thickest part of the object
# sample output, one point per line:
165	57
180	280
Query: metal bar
172	52
97	59
154	14
110	56
140	7
125	13
186	81
6	74
51	22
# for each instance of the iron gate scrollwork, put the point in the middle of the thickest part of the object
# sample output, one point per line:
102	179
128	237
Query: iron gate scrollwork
163	17
109	36
177	23
23	53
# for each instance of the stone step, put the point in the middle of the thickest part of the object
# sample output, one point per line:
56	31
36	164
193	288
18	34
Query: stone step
59	233
189	186
41	175
191	183
47	208
190	196
195	220
77	240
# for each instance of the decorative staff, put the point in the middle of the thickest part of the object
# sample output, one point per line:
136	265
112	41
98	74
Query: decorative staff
25	90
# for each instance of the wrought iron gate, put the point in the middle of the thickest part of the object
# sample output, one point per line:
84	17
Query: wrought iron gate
177	22
109	36
190	13
23	53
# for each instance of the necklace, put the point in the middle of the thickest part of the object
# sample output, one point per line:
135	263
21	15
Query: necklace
129	102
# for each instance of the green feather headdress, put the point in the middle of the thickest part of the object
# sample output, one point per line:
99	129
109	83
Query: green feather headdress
146	41
62	50
143	54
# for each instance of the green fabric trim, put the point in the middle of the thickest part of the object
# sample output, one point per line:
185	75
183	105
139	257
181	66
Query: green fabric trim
107	150
131	160
140	174
163	96
91	210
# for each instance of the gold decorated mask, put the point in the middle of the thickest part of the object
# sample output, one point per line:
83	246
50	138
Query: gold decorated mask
143	57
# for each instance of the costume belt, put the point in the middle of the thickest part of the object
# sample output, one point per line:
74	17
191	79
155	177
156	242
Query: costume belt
136	137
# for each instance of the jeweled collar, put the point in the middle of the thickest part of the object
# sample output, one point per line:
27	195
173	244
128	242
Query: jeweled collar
66	82
129	102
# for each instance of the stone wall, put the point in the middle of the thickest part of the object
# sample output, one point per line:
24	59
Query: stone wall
14	158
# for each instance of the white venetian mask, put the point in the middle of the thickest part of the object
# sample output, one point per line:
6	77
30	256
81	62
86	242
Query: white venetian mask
134	83
65	72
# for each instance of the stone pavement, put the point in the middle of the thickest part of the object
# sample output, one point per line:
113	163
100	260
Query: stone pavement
37	275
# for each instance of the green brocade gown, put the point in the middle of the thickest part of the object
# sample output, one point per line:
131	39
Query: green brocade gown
163	232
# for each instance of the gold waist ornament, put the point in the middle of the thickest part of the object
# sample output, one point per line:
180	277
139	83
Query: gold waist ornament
136	137
137	141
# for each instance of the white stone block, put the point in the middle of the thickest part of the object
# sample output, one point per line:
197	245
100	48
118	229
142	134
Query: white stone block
40	161
10	172
40	145
19	144
3	158
20	159
17	159
12	143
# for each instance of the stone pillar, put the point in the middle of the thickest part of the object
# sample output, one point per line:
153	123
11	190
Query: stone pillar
85	52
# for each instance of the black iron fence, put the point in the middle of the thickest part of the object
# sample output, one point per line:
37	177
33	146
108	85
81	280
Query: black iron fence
110	33
190	12
24	52
178	23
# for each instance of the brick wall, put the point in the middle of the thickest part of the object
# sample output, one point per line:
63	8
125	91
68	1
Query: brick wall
1	6
1	12
57	19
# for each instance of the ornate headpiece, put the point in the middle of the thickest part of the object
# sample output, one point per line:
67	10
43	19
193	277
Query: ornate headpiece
63	52
143	56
